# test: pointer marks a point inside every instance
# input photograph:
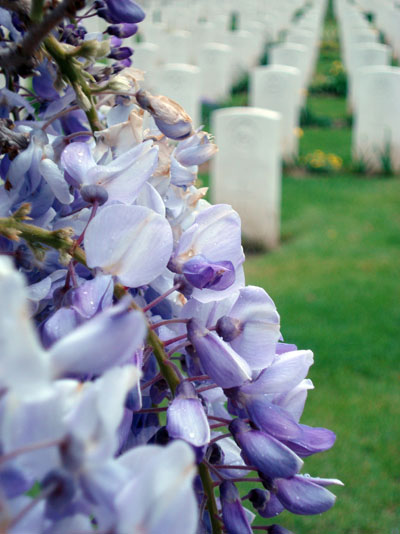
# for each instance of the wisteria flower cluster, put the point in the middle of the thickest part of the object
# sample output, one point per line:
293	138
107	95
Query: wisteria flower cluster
143	385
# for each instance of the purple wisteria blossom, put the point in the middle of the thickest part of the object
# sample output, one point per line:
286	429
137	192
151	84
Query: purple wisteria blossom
142	382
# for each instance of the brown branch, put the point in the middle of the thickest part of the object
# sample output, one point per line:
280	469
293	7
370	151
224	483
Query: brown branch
22	7
11	142
18	58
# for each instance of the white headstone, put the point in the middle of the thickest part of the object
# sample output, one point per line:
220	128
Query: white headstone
293	55
278	88
376	129
244	52
365	55
146	58
179	48
215	62
182	83
246	171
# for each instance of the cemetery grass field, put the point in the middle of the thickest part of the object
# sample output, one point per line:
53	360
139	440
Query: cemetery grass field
335	281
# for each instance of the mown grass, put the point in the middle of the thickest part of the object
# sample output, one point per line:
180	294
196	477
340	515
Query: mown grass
329	140
335	281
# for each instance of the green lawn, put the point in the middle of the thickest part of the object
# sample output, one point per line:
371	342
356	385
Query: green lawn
328	106
329	140
335	281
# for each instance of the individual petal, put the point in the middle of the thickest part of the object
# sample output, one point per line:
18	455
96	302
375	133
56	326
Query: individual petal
109	339
264	452
300	496
196	154
215	234
77	160
30	420
182	176
58	325
294	400
186	418
284	374
266	503
271	418
323	481
117	240
128	11
202	273
32	521
24	365
91	296
312	440
14	482
150	198
218	359
20	165
124	176
99	410
159	496
233	513
260	328
55	178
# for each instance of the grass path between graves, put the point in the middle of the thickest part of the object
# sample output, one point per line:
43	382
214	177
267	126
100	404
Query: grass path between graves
335	281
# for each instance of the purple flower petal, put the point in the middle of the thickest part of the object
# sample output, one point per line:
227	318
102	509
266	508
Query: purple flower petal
77	160
233	513
124	177
186	420
127	11
300	496
109	339
218	359
312	440
202	273
264	452
271	418
284	374
117	240
260	328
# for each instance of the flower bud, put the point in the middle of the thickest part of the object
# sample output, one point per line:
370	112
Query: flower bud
233	513
266	453
204	274
123	52
228	328
127	11
94	193
122	30
186	418
217	358
62	490
171	119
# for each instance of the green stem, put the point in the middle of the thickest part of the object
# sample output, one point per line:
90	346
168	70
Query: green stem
58	239
69	70
36	10
211	504
167	371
